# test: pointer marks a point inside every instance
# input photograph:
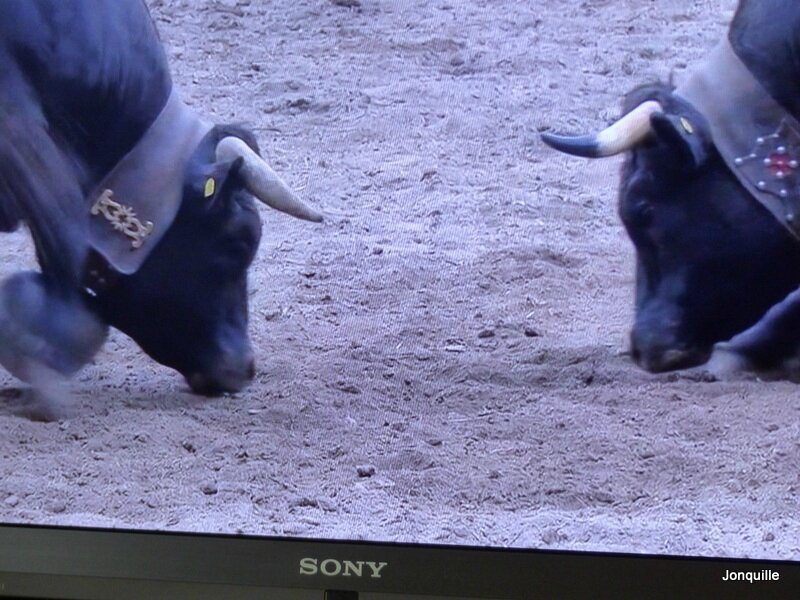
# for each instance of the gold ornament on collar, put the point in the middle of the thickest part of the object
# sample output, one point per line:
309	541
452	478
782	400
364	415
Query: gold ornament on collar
122	218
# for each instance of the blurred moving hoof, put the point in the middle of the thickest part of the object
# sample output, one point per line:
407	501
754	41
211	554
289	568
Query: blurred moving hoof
699	374
46	407
44	335
727	364
48	401
724	364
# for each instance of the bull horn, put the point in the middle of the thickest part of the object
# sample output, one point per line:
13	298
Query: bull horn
261	181
623	135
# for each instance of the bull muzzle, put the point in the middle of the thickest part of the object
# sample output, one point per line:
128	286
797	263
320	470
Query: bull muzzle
229	374
656	346
624	134
261	181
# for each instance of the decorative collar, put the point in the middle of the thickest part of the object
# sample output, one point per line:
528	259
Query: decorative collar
134	205
758	138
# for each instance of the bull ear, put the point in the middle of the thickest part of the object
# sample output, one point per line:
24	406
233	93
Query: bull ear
218	180
686	137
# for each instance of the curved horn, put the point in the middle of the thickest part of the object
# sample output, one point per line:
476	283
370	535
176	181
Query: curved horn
619	137
261	181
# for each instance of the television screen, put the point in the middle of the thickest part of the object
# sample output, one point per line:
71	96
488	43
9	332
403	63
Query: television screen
484	343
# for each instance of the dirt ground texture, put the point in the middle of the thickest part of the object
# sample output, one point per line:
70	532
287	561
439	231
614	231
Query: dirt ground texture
444	360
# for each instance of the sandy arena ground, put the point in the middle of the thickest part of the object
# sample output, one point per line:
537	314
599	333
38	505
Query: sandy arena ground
444	360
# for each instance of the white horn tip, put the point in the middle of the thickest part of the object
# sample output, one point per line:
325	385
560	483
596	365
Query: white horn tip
313	216
264	183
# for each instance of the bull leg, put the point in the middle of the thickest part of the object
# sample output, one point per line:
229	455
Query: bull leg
45	337
47	332
770	346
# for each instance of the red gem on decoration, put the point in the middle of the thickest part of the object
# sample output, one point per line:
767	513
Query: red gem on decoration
780	165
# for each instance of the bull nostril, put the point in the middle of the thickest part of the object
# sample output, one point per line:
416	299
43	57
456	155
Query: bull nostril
636	354
674	358
222	378
659	360
200	384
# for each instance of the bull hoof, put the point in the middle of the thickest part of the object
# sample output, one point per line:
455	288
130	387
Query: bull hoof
726	364
698	374
46	407
47	401
44	337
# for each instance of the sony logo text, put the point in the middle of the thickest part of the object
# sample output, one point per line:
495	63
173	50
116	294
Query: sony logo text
330	567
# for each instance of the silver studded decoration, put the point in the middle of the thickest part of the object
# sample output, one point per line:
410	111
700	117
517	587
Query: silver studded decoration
772	167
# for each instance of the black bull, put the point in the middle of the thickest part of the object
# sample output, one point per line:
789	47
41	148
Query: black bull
715	231
141	213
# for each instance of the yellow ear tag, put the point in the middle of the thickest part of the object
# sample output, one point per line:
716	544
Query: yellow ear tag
210	187
687	125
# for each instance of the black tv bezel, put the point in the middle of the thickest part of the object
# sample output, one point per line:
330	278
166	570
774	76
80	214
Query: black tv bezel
49	562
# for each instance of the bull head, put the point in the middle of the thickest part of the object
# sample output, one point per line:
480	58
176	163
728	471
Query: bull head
189	270
670	141
702	243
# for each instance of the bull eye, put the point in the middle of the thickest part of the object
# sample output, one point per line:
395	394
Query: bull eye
643	213
638	213
241	235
